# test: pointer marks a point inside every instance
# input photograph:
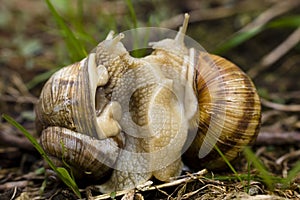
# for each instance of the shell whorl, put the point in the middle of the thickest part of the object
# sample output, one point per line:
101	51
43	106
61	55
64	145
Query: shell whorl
85	155
68	97
240	107
152	104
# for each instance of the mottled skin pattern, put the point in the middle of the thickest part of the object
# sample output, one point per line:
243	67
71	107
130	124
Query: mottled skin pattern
145	109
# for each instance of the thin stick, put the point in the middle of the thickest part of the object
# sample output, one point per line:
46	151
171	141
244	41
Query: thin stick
278	9
280	138
14	184
282	49
185	179
292	154
204	14
281	107
8	138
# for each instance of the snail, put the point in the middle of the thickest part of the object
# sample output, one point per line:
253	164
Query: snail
130	119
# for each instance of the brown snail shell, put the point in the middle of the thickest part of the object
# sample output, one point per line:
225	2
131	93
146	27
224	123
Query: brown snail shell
75	102
68	98
84	155
241	109
73	111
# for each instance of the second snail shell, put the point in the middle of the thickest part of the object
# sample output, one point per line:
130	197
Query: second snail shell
85	104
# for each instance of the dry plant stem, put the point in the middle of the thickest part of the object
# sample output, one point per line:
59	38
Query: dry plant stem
204	14
281	107
292	154
17	91
278	9
187	179
129	196
19	84
14	194
188	195
18	99
88	193
7	138
260	150
10	185
285	169
282	49
290	94
269	115
282	138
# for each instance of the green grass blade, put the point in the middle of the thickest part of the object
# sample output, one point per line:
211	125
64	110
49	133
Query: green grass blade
62	174
132	13
64	161
40	78
249	176
230	177
292	174
237	39
228	163
285	22
70	183
265	175
75	48
241	37
78	23
80	13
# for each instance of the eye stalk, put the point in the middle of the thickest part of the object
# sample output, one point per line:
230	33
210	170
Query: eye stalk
134	116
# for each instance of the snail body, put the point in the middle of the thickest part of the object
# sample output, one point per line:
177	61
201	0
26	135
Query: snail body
138	113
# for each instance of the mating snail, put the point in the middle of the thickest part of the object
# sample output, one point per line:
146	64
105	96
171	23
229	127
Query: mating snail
135	117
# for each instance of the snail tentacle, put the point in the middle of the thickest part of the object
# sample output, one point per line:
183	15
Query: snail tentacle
135	117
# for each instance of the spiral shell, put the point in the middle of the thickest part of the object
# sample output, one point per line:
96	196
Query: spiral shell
240	104
75	117
84	155
68	98
136	115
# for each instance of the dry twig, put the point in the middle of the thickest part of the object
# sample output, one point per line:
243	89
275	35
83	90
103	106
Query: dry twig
284	138
9	139
278	9
282	49
203	14
281	107
10	185
292	154
185	179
